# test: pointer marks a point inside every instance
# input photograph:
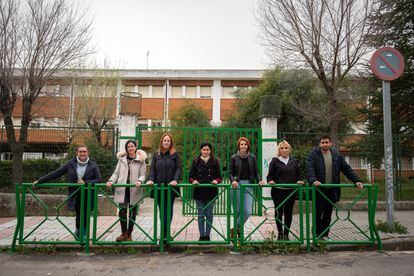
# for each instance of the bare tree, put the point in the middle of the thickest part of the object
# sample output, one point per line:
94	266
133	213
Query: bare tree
95	102
38	39
327	36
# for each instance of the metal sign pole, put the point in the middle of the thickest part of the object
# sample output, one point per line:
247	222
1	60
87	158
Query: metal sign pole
389	175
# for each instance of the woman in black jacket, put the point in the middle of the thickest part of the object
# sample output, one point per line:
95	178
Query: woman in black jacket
205	169
81	170
243	170
166	170
284	170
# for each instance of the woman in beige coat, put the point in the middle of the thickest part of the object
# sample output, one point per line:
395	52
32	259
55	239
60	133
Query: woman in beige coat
130	169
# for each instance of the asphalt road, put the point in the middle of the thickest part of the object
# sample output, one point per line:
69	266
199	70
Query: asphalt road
335	263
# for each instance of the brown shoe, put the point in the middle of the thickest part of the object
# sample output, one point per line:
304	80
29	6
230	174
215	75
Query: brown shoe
129	236
122	238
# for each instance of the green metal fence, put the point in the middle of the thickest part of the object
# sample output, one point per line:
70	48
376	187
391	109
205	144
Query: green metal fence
362	234
302	233
23	237
148	231
220	230
254	235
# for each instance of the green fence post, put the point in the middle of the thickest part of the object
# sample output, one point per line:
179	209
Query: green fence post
374	208
308	247
234	203
88	215
162	234
314	215
95	214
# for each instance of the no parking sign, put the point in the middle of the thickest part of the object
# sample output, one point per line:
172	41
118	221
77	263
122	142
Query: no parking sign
387	64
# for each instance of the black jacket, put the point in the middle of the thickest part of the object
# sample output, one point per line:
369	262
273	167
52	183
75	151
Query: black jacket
92	175
284	174
166	168
235	168
315	170
205	173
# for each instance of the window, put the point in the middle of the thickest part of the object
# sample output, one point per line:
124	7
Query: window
157	123
205	92
176	91
144	91
191	92
35	124
129	88
228	92
158	92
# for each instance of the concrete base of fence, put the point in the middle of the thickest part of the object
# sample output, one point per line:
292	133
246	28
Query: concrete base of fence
33	208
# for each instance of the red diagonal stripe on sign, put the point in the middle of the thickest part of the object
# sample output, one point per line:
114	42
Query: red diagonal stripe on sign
387	63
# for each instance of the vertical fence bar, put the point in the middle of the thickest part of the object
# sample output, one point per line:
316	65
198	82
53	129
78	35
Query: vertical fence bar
88	215
162	234
308	248
314	215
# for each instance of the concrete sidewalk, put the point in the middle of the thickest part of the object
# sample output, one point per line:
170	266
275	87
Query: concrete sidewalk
185	228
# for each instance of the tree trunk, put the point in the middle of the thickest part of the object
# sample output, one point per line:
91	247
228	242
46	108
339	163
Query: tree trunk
17	168
334	116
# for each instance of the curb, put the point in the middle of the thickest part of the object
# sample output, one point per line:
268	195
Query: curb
392	244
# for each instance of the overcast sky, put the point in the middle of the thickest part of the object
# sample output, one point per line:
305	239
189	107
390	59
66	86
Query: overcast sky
179	34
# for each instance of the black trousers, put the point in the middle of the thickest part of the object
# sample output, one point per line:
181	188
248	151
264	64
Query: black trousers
286	210
164	217
323	213
78	211
123	213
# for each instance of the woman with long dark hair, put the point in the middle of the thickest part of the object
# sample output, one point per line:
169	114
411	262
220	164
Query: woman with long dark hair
129	170
205	169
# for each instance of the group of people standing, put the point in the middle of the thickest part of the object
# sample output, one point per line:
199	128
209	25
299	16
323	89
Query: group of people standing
324	165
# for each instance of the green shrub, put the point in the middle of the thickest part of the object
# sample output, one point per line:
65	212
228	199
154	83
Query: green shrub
32	170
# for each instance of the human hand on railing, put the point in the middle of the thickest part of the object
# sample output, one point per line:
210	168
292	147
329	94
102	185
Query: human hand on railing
109	183
300	182
195	182
173	183
138	183
316	183
234	184
35	182
214	182
272	182
359	185
150	182
261	183
80	181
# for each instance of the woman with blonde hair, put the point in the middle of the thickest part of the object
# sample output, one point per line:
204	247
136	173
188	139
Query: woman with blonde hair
284	170
166	170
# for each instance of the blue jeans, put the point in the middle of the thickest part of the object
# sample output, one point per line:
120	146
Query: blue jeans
247	202
205	216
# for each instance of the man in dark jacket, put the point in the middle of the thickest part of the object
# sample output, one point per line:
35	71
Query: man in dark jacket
81	170
324	165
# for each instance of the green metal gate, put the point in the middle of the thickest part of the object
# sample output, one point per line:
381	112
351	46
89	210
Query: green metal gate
187	141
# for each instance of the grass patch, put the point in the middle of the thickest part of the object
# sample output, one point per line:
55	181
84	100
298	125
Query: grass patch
398	227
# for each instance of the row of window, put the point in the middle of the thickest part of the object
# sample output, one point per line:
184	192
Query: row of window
189	92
